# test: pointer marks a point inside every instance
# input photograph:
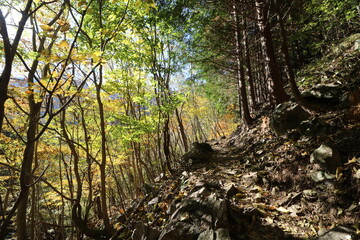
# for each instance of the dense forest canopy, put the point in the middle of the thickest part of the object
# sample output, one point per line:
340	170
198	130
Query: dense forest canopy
99	97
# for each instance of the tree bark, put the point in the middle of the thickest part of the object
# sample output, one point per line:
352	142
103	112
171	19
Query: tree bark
106	220
26	169
182	131
285	50
273	75
240	76
10	50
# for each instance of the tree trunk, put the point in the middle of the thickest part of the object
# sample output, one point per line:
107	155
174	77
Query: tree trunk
182	130
103	153
10	50
285	50
26	169
248	65
273	75
240	76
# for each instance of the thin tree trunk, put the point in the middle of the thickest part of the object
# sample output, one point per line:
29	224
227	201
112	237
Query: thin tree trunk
10	50
243	102
26	169
104	207
248	66
182	130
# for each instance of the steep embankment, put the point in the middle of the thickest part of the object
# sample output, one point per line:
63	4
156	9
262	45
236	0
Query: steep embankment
257	185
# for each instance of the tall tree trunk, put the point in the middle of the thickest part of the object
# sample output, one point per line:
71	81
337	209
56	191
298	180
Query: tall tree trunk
26	169
273	75
243	101
248	64
285	50
103	152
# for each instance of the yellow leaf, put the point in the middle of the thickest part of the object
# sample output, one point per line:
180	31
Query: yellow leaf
65	27
96	56
339	173
78	57
55	57
353	160
61	22
29	92
55	74
47	28
63	44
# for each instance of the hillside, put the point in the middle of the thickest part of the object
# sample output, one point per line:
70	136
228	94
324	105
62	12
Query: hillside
179	119
257	185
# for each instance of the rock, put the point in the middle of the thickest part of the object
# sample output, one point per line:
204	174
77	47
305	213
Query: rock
149	189
204	209
293	135
287	116
199	153
143	232
357	45
312	127
324	96
231	191
153	201
339	233
207	235
222	234
160	178
180	231
319	176
326	156
310	195
203	146
219	234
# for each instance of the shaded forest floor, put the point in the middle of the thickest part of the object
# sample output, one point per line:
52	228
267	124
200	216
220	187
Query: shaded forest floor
271	189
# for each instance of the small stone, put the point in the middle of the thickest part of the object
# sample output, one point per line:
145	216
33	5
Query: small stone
222	234
206	235
327	156
317	176
338	233
310	194
258	197
153	201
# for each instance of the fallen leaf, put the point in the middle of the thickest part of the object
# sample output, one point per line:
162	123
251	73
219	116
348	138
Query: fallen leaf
282	209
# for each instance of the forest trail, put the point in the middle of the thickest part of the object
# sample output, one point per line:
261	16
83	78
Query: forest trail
256	186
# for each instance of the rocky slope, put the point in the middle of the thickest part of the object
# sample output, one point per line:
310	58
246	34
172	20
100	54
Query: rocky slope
299	179
255	185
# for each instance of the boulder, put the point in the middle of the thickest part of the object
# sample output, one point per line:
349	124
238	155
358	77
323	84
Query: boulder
338	233
180	231
287	116
328	157
219	234
201	213
324	96
199	153
143	232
